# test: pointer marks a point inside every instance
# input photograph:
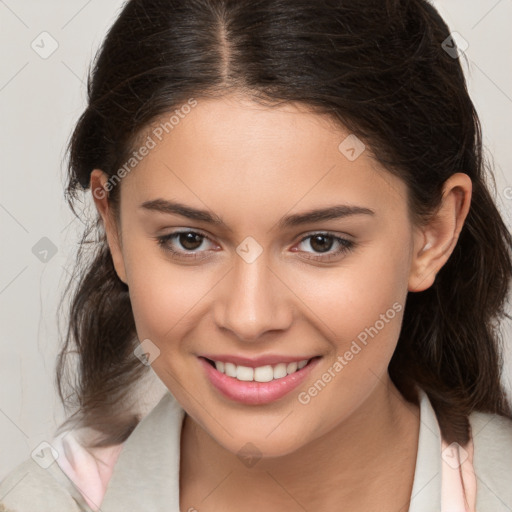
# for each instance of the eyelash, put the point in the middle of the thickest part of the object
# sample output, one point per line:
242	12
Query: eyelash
345	245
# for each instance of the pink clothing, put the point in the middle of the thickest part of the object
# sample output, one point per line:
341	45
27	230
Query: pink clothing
91	470
458	478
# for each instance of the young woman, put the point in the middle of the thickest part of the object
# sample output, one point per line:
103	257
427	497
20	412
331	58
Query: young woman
297	237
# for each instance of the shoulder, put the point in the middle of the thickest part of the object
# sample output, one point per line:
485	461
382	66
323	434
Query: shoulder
492	459
31	487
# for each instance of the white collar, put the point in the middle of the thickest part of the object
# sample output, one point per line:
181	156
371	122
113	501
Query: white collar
135	483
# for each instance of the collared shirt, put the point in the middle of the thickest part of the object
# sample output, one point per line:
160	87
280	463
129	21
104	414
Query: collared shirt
143	473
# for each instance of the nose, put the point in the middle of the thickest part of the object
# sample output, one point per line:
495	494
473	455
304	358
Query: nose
253	301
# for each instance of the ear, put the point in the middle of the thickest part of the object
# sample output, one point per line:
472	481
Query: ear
99	189
434	242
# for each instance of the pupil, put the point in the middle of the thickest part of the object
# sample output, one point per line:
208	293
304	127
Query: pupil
321	247
187	239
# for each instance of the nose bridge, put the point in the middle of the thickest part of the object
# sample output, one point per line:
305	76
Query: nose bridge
254	300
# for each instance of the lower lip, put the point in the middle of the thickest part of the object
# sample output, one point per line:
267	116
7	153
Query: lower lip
256	393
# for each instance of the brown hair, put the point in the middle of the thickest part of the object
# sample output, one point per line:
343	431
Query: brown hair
377	67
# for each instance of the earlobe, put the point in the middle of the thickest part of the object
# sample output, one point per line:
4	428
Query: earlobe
436	241
98	180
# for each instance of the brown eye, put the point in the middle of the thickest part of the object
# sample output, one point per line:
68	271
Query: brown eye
190	240
186	245
322	243
324	247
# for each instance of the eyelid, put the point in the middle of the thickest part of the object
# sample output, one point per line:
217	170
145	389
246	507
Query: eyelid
334	234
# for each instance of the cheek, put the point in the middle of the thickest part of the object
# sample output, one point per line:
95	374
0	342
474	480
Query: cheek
164	296
363	302
361	309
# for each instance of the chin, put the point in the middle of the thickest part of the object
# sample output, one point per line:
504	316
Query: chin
251	450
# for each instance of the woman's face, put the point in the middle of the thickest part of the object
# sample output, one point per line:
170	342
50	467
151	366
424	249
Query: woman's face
266	283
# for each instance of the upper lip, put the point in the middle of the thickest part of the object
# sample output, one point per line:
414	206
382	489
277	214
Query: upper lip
254	362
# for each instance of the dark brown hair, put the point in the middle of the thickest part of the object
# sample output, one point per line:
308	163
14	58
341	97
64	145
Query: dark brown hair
378	68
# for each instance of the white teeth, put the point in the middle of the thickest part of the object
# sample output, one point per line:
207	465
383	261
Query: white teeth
261	373
280	370
244	373
230	369
292	367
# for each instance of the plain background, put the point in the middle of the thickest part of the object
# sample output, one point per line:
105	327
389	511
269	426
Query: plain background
42	98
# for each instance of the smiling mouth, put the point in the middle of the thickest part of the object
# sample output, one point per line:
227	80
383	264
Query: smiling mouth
266	373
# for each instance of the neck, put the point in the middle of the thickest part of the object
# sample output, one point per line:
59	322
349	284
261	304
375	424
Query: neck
367	461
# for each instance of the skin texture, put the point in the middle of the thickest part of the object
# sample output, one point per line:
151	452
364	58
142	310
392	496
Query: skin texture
251	165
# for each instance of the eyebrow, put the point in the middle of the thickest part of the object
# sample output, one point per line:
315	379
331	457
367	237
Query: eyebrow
297	219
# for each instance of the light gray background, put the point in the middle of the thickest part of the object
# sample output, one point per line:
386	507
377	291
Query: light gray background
41	99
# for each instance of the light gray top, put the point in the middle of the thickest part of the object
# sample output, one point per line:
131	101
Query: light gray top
146	474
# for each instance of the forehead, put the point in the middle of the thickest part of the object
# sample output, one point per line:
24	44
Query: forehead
233	150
